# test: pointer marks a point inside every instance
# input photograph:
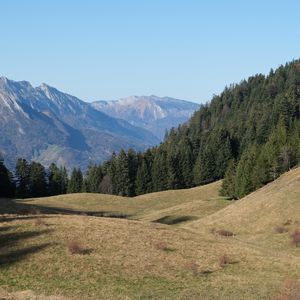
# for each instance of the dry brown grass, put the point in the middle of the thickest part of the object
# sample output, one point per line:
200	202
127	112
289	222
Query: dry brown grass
124	262
260	211
198	202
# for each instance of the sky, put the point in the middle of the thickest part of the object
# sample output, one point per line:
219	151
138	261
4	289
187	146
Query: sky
186	49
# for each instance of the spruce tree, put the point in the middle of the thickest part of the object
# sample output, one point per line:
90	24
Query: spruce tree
76	181
93	179
22	178
7	188
37	180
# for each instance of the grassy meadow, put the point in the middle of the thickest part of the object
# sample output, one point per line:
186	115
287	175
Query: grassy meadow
184	244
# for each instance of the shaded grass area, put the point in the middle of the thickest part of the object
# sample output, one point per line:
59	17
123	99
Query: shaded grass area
172	220
13	239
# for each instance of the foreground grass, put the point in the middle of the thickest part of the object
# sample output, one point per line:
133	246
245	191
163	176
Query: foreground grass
137	258
125	260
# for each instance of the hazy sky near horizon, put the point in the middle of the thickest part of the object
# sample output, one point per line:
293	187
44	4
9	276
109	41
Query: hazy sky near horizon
110	49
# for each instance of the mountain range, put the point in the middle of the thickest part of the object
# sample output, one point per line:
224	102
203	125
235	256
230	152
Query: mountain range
152	113
47	125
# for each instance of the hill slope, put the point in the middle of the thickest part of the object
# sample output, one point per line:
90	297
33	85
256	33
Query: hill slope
273	205
248	135
192	203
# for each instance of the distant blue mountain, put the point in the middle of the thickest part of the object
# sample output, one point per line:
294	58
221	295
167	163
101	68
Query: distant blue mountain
47	125
152	113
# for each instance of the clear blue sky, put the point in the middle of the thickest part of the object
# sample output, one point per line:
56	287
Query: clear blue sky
189	49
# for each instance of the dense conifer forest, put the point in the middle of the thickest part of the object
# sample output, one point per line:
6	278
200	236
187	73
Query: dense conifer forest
248	135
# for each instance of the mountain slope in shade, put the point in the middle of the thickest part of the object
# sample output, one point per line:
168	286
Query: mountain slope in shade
149	112
47	125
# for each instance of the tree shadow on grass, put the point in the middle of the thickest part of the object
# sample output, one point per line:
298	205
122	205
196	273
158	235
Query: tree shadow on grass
11	206
172	220
11	218
12	238
14	256
7	228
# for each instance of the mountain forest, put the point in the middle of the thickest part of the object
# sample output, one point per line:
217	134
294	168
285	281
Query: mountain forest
248	135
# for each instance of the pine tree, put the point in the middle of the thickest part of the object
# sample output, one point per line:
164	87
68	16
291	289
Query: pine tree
22	178
37	180
122	171
7	188
143	178
75	182
244	176
93	179
159	172
54	180
228	184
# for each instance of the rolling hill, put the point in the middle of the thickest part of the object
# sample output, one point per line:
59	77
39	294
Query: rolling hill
133	258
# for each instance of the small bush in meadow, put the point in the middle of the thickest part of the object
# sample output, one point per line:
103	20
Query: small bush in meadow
160	245
280	229
39	222
290	290
295	238
225	233
224	260
76	248
194	267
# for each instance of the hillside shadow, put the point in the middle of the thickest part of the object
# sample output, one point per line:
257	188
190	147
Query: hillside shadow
172	220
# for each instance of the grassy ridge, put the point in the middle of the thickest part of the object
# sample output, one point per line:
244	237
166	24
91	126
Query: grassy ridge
194	202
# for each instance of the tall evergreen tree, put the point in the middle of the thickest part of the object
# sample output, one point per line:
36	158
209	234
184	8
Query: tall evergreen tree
22	178
7	188
93	179
37	180
76	181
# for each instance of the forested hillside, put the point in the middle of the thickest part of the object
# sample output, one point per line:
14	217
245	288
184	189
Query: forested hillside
248	135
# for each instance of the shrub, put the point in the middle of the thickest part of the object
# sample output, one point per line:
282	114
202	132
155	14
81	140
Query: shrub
288	222
160	245
295	238
76	248
280	229
39	222
290	290
226	233
224	260
194	267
